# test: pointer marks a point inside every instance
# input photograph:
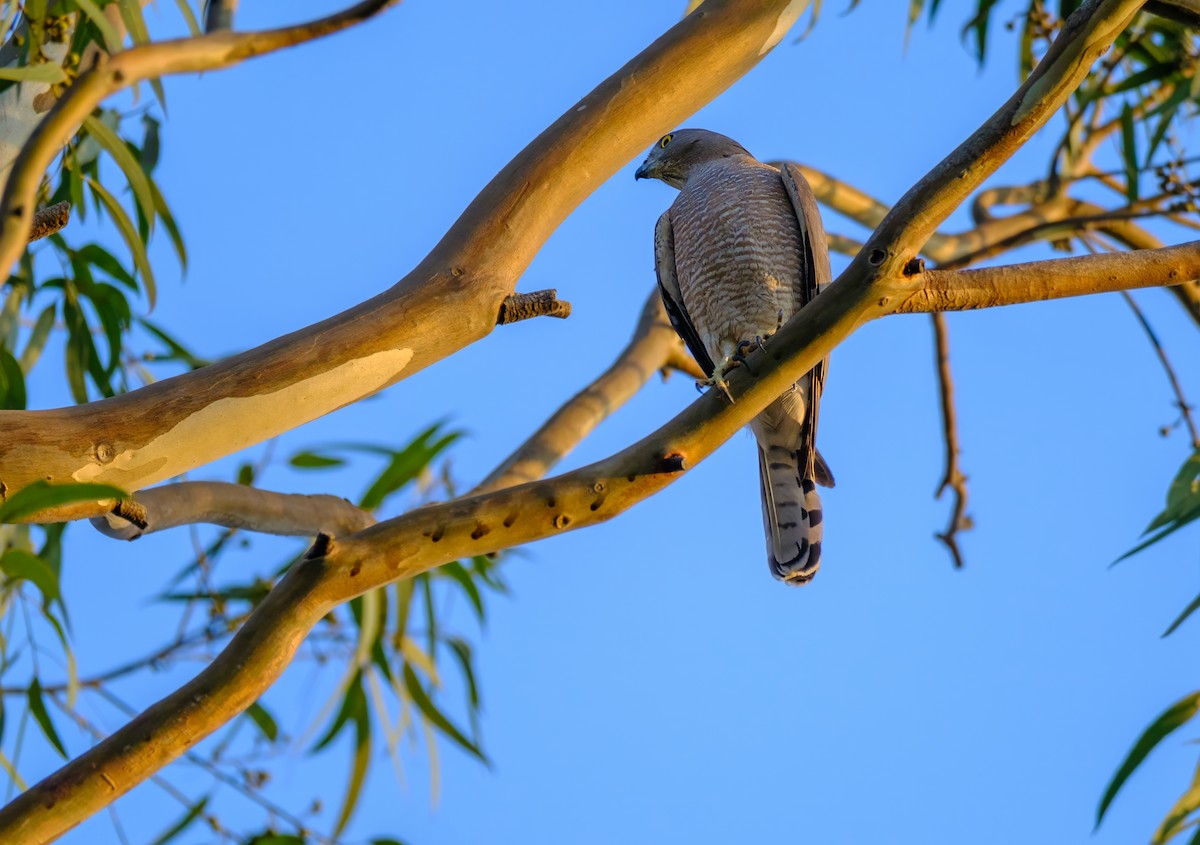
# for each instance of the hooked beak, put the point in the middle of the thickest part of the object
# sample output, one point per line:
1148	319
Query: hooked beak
643	172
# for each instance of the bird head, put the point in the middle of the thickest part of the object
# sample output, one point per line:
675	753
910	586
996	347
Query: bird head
675	154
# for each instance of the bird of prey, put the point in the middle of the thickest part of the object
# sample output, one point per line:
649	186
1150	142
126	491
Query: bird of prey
737	254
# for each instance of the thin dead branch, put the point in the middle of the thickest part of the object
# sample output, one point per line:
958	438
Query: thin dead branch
1181	402
953	478
526	306
48	220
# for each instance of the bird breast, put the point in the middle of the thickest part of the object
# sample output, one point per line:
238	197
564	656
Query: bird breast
737	251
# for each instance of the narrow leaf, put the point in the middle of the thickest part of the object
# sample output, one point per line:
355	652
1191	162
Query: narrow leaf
1174	717
184	823
1187	611
1129	153
427	707
125	159
264	720
358	771
46	72
41	495
112	38
38	708
137	246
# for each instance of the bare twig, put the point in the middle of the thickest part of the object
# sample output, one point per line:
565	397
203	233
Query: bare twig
953	477
526	306
1180	401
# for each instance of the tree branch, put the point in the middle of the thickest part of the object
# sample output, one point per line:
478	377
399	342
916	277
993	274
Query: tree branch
236	506
48	220
526	306
953	478
1181	402
164	429
1035	281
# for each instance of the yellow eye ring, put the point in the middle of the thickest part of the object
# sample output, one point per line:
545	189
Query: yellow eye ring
666	139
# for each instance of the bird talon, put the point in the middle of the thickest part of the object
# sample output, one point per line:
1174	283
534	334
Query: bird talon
717	382
741	359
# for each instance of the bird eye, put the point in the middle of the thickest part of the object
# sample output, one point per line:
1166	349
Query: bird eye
666	139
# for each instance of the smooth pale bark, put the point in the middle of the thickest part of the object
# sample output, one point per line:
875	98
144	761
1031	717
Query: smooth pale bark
177	424
236	506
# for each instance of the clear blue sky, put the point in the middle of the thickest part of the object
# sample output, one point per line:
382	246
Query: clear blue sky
648	681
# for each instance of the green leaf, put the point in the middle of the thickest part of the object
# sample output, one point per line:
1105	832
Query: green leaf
164	214
38	337
264	720
1187	804
137	247
362	760
406	465
457	573
12	382
311	460
125	159
192	24
131	15
178	352
38	708
461	649
20	565
1174	717
193	813
42	495
1129	153
112	38
46	72
413	684
351	701
1187	611
1183	505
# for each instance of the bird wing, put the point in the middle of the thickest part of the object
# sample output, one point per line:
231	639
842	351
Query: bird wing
815	274
668	286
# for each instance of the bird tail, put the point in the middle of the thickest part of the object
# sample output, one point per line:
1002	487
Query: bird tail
791	514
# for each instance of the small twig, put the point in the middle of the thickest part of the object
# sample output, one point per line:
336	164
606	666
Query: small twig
526	306
48	220
1180	401
953	477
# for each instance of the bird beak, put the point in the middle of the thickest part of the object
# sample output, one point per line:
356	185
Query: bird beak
643	172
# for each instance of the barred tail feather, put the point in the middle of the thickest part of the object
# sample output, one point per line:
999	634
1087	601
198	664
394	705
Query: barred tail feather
792	517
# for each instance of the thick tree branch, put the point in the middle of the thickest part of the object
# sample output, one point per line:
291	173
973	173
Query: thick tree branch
174	425
1035	281
236	506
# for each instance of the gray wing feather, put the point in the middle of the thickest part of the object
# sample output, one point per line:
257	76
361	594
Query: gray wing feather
668	286
815	275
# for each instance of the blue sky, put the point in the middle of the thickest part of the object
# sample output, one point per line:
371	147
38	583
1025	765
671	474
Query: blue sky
648	680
